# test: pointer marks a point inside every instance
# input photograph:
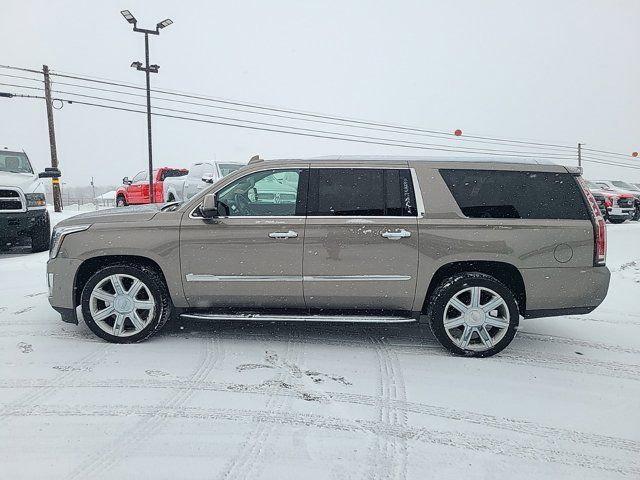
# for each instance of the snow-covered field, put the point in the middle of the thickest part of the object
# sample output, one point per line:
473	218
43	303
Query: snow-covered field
250	401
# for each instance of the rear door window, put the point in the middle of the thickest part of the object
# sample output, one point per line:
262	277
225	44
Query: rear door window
508	194
361	192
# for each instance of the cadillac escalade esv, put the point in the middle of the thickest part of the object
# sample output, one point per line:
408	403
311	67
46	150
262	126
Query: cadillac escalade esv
469	245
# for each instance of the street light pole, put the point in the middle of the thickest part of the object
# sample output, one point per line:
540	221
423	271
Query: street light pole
148	69
150	143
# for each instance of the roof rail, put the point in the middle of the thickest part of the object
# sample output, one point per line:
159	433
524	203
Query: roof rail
255	159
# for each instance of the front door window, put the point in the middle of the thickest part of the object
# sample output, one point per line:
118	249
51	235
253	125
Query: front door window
266	193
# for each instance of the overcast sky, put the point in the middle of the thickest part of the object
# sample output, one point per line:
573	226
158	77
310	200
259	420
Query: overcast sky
552	71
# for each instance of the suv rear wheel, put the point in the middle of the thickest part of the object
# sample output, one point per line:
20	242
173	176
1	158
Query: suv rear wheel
120	201
125	303
473	314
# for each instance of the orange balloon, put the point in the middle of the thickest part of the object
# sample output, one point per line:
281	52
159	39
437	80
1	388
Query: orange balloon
458	132
634	154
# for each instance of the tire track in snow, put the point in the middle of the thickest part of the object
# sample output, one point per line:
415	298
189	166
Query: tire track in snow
60	381
389	453
107	457
539	337
252	449
464	441
501	423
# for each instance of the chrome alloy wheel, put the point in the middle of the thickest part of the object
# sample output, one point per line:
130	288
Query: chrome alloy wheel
476	318
121	305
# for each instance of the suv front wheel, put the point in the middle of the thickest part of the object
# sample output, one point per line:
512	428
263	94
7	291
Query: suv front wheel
125	303
473	314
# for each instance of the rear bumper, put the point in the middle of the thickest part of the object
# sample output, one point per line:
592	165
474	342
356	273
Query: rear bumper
18	224
564	289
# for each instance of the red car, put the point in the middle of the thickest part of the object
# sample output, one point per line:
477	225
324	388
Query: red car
136	190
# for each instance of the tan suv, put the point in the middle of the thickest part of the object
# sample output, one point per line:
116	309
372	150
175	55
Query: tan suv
471	245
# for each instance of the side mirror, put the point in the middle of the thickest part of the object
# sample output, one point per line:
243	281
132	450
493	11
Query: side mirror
207	178
209	208
50	173
126	181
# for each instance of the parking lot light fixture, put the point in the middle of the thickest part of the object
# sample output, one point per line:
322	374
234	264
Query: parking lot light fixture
147	69
128	16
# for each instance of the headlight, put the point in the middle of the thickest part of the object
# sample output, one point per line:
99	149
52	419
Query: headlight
58	236
35	200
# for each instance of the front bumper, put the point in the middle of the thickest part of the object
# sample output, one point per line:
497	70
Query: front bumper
61	274
618	212
18	224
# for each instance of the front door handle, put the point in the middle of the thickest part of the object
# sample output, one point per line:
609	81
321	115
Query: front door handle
289	234
402	233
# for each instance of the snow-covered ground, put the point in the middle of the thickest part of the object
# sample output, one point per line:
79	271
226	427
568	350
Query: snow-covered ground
250	401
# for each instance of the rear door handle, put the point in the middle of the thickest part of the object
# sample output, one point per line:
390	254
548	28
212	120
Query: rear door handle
402	233
289	234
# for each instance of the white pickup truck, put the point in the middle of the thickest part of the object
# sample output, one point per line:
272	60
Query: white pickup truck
179	189
23	209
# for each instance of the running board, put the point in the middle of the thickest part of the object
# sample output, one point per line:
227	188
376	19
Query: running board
259	317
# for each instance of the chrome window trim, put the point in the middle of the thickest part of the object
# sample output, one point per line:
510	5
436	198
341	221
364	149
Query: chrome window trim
192	216
416	190
418	193
193	277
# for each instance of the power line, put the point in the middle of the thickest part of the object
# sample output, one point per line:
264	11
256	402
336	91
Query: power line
605	152
302	113
350	123
294	118
274	130
447	148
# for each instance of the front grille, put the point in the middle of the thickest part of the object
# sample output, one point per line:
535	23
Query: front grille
9	194
10	205
625	202
10	200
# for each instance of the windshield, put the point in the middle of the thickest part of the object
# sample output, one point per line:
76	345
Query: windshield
590	184
227	168
626	186
14	162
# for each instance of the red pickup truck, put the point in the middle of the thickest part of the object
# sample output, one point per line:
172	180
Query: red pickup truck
136	190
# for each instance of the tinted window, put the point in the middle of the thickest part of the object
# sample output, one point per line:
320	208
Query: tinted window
504	194
361	192
266	193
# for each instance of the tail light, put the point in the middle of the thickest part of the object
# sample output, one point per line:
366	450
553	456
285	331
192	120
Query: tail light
599	227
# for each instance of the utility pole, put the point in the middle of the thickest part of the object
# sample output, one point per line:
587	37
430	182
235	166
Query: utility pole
55	182
93	189
128	16
579	154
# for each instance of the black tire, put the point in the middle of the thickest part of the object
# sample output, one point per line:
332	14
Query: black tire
617	220
41	235
120	201
454	285
636	214
157	287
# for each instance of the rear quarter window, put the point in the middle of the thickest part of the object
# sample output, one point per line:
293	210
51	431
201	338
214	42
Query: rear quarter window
509	194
